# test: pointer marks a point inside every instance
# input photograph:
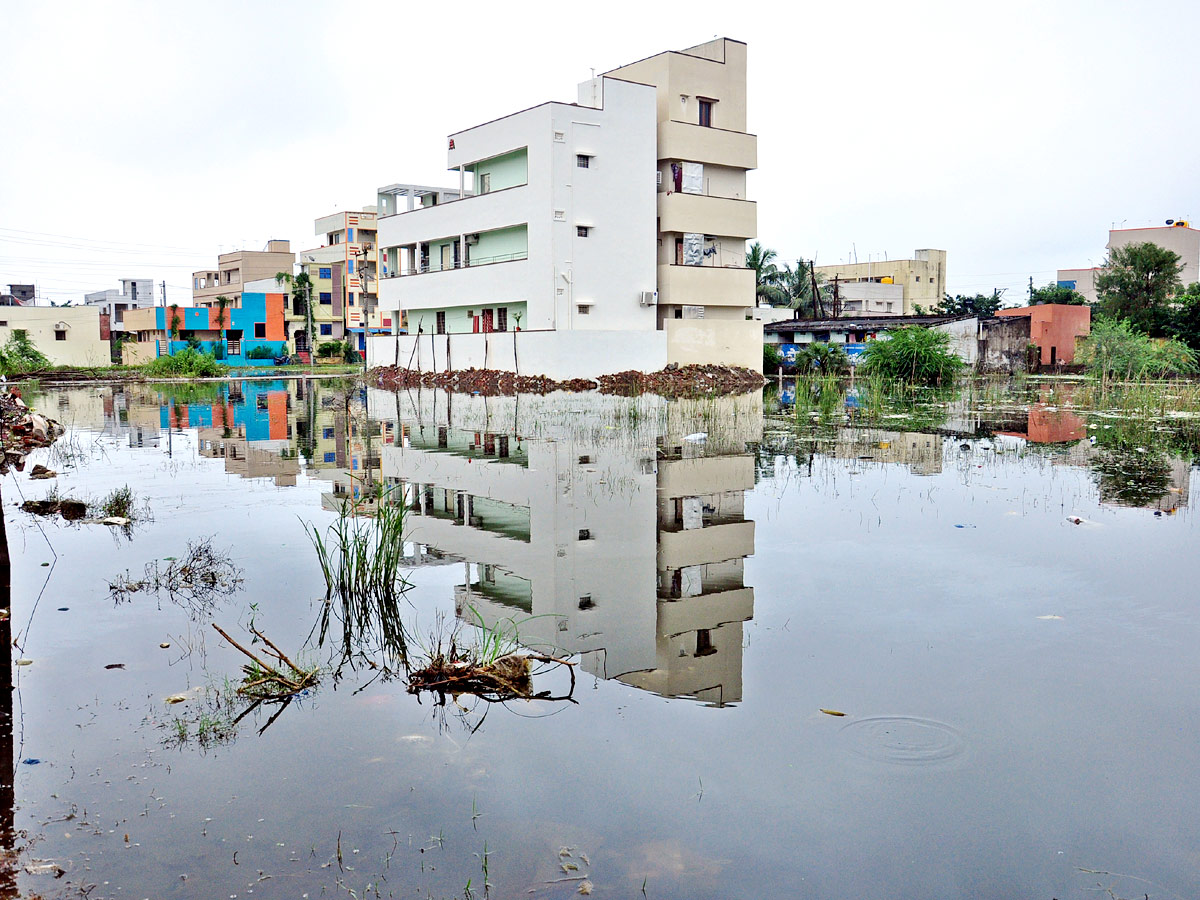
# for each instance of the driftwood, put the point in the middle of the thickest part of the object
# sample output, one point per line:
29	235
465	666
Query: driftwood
508	677
266	682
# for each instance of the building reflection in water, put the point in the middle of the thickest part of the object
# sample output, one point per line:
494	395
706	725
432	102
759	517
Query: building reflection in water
611	528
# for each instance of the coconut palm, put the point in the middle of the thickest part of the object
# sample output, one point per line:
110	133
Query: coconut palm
766	276
797	286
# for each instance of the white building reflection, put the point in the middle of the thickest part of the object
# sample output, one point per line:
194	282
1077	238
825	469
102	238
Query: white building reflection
611	528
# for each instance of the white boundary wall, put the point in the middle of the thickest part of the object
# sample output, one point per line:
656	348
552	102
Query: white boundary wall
555	354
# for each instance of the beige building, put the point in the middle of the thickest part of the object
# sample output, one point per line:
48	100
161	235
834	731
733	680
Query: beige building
1179	237
67	335
345	277
705	292
922	278
236	268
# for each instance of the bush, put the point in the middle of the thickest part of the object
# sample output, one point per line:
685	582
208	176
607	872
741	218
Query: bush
1115	349
822	359
19	355
912	354
772	358
186	362
330	349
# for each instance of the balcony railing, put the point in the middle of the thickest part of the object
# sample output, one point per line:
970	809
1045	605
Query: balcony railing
428	267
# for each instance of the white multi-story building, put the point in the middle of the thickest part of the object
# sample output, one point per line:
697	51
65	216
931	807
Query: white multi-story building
135	293
609	232
1178	237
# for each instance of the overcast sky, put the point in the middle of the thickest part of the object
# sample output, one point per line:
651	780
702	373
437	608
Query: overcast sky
141	139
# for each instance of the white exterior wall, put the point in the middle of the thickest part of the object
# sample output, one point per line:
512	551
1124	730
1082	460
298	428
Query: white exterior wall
556	354
614	196
964	338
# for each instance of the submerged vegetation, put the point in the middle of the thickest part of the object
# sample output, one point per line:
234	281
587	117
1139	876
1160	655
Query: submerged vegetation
197	581
187	363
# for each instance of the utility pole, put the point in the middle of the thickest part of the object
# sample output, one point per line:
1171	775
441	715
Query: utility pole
164	293
837	299
818	307
1031	290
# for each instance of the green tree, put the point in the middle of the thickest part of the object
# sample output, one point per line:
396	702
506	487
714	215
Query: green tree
766	276
1137	283
20	356
1185	316
912	354
1056	293
796	283
962	305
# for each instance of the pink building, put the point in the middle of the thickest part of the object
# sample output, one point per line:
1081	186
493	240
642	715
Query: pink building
1054	328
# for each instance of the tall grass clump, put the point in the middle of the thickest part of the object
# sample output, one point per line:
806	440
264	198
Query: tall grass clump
187	363
1115	350
362	556
914	355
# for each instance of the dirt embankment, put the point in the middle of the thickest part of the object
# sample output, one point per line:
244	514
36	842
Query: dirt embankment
673	381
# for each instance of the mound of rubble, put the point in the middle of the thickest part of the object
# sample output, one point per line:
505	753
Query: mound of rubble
488	382
22	430
673	381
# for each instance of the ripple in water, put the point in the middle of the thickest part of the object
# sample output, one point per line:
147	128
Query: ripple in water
904	740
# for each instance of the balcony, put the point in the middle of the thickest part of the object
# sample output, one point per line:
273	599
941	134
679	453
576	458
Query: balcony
684	140
698	546
434	266
705	286
705	611
700	214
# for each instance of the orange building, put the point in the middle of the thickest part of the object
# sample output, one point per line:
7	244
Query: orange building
1054	327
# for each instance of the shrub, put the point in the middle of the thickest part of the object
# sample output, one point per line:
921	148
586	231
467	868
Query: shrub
19	355
822	359
913	354
772	358
331	348
1115	349
187	362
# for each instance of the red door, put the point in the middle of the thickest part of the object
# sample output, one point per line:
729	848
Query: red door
487	321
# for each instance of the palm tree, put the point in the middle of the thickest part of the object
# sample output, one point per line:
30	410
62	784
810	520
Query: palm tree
797	286
301	288
766	276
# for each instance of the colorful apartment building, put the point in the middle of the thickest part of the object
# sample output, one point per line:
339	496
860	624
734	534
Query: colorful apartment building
251	334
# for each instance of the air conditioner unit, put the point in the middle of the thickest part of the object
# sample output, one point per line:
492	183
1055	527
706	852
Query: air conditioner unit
658	178
649	298
472	239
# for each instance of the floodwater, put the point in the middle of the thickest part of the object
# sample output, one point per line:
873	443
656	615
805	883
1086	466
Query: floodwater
995	590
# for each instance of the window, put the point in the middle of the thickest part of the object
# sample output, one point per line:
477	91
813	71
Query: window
326	297
586	602
584	310
324	273
441	323
350	266
582	160
330	457
327	329
60	334
260	329
350	298
350	235
485	182
3	323
582	230
502	319
918	278
706	110
327	433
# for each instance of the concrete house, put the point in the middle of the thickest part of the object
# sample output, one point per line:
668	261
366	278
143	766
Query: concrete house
347	264
135	293
1054	328
609	233
922	280
257	324
236	268
67	335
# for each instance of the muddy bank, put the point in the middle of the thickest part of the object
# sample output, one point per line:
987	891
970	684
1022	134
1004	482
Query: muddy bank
673	381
